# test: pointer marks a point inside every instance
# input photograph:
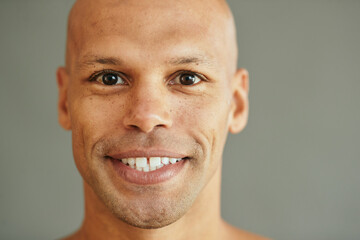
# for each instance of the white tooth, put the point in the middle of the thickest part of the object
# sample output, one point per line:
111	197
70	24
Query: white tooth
141	162
155	161
146	169
139	168
131	161
152	168
165	160
173	160
159	166
132	166
125	160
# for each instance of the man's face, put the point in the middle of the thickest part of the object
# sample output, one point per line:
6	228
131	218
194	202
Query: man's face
148	79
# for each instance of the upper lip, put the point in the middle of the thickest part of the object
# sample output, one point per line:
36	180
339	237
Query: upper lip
146	153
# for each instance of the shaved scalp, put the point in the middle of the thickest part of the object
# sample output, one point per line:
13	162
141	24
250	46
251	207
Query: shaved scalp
87	15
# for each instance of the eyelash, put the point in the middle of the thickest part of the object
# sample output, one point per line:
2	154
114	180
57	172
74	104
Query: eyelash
93	77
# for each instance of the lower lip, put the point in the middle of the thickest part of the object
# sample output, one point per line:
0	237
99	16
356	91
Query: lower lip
147	178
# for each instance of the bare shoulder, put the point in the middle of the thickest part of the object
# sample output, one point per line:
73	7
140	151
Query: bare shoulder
233	233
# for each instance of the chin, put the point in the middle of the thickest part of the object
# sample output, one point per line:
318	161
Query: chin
148	223
151	215
148	209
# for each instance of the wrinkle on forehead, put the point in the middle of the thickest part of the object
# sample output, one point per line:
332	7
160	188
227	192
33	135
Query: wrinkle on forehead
147	18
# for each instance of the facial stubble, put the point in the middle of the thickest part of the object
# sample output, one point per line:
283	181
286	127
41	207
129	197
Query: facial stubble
146	206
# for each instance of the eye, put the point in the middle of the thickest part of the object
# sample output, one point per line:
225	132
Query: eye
186	79
109	78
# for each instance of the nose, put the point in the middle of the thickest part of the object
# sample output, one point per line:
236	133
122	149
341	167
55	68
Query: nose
147	109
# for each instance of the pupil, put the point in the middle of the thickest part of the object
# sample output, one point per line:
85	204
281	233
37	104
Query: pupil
109	79
187	79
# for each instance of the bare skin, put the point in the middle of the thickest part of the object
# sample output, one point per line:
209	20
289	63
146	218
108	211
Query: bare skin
174	90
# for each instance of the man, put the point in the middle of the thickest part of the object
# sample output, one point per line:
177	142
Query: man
150	90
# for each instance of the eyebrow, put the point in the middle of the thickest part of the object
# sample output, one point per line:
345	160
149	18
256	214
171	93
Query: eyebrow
189	60
199	59
102	60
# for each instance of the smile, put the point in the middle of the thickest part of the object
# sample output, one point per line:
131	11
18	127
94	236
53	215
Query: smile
144	164
150	166
148	170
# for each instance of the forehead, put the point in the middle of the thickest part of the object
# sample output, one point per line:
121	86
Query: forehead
152	29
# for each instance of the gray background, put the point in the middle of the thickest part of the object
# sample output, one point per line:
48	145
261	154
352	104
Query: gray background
293	173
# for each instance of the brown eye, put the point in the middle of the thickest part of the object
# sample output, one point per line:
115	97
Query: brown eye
111	79
186	79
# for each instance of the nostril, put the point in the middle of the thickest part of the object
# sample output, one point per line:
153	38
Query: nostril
134	127
146	127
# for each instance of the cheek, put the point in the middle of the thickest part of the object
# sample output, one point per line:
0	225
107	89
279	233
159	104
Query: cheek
205	119
97	115
200	110
92	118
206	111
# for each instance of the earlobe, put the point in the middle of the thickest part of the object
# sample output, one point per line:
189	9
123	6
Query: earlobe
240	103
63	111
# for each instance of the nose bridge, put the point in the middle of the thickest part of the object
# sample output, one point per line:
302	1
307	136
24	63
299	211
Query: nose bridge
148	107
149	100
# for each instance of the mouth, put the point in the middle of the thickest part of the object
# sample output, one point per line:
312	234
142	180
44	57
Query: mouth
144	164
144	169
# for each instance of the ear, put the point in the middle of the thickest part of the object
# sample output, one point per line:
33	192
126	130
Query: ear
63	111
240	102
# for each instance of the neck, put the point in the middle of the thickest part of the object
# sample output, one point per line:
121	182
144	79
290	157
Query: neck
202	221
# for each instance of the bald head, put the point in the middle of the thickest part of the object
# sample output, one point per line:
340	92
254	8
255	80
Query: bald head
152	25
